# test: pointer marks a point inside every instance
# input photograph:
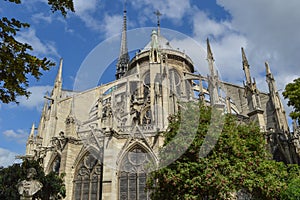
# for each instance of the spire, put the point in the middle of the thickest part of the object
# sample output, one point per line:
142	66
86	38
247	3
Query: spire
275	98
213	78
158	14
56	92
30	145
246	67
268	71
31	135
45	107
59	73
252	94
270	79
209	52
124	56
210	59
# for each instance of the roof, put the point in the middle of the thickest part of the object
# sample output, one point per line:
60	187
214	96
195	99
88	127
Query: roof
162	42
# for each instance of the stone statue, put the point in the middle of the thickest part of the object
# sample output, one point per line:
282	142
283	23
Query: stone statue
27	188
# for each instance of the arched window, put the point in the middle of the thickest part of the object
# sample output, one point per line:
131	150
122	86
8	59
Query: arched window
56	164
88	179
133	174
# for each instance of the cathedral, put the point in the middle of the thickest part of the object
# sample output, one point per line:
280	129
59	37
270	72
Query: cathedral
104	138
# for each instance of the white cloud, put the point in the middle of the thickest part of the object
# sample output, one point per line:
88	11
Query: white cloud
36	99
267	31
112	25
225	42
172	9
42	17
20	136
270	27
85	10
82	6
7	157
39	47
205	27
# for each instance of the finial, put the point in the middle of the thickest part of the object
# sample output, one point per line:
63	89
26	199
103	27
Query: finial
209	52
59	73
31	135
245	61
246	67
158	14
268	71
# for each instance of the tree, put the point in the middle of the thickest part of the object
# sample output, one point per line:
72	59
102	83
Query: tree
292	93
16	62
292	192
238	164
53	184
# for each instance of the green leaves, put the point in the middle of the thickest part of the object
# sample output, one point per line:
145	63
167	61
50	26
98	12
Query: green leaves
17	62
292	93
238	163
62	6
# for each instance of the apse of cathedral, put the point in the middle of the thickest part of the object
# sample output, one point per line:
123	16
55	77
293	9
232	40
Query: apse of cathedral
105	143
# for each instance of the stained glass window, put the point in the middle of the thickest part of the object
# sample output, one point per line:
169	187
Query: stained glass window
88	179
132	178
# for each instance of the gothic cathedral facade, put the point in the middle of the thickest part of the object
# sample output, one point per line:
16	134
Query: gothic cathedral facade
125	118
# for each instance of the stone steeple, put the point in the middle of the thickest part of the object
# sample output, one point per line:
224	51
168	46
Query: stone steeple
52	114
30	145
123	59
31	135
56	92
279	109
251	91
252	95
213	78
246	68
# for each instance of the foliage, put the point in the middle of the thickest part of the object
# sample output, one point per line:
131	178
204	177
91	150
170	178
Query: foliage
238	163
16	61
53	185
292	192
292	93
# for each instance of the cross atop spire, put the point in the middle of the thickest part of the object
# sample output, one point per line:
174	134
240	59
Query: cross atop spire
158	14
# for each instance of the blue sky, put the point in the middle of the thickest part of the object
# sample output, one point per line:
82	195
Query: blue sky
268	30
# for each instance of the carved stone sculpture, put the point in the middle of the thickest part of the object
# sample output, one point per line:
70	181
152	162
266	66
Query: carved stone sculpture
27	188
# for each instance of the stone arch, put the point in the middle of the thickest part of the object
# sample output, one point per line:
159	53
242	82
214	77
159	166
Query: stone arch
134	165
54	161
88	175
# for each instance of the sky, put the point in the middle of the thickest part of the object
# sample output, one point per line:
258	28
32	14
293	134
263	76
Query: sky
268	30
